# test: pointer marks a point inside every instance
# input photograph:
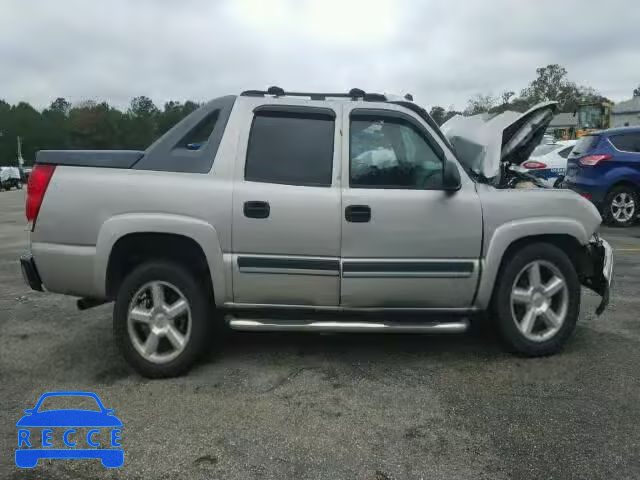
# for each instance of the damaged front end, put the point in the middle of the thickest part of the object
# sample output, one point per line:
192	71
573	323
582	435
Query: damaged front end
596	272
488	145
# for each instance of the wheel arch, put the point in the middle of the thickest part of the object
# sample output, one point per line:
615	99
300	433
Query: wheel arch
624	182
567	234
156	236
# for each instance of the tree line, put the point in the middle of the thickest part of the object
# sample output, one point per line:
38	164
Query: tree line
94	125
551	83
86	125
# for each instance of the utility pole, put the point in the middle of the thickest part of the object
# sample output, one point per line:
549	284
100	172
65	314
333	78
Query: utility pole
20	159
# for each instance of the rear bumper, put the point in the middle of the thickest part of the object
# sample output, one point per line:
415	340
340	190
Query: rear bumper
30	272
600	270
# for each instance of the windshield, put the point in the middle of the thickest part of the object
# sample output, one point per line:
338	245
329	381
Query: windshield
590	116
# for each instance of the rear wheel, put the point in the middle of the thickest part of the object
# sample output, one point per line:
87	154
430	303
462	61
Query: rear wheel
537	300
621	206
161	319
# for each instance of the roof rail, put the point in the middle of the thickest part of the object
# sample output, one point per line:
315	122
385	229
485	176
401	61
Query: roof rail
354	94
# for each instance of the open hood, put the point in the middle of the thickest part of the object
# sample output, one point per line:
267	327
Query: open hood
482	142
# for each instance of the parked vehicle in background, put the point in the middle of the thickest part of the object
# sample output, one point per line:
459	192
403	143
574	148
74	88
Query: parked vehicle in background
313	212
10	178
548	162
604	167
593	116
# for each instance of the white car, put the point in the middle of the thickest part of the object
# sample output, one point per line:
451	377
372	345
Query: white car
10	177
548	162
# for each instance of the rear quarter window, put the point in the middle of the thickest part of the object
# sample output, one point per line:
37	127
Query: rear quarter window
629	142
564	153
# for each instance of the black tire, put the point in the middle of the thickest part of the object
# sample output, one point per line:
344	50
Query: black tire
200	303
19	186
607	207
559	182
515	340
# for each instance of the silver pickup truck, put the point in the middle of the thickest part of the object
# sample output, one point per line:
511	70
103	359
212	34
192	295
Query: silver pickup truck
284	211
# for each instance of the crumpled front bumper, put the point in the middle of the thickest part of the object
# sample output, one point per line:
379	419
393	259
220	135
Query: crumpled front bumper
600	270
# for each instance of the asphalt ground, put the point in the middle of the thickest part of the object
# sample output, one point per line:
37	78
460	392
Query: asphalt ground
373	407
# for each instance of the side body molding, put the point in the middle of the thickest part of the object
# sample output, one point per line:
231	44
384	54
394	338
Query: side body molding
202	232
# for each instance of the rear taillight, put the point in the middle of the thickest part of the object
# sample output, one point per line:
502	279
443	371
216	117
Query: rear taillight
592	160
533	165
36	188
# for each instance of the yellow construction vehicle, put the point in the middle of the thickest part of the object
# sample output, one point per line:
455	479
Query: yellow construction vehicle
593	116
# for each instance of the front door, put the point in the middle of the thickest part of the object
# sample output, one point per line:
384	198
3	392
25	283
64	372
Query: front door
286	207
405	241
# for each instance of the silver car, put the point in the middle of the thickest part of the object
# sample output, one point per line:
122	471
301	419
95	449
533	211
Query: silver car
284	211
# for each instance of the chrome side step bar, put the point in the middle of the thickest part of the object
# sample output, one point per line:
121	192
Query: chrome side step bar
274	325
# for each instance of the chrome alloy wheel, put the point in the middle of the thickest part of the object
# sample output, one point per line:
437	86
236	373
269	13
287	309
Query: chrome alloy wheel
159	322
539	301
623	207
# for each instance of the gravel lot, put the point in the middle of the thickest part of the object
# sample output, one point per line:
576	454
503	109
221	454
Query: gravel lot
335	406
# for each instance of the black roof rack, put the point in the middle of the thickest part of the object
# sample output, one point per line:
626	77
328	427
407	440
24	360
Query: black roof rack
354	94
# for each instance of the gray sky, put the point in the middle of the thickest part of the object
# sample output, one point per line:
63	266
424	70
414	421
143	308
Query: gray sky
441	51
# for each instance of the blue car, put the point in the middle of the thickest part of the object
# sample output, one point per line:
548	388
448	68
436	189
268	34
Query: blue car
37	438
604	167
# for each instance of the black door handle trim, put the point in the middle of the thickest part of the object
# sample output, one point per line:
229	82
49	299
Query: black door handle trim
256	209
357	213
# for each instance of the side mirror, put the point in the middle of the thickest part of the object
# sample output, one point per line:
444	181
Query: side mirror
451	177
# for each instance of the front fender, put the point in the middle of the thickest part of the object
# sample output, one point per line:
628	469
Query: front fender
200	231
510	232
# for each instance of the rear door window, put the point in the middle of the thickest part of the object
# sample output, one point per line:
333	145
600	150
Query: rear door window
585	144
291	147
629	142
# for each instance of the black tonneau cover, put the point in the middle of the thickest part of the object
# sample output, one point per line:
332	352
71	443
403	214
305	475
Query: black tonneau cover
90	158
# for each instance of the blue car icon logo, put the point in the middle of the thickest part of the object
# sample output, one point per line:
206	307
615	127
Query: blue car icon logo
69	433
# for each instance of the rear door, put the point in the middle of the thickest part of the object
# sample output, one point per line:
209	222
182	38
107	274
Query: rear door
406	243
286	206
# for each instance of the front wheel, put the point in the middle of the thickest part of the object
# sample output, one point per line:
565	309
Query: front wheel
161	318
621	206
537	300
